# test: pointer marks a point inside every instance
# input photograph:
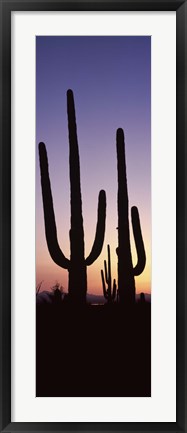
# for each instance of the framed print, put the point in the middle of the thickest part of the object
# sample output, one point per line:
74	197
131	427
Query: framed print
93	216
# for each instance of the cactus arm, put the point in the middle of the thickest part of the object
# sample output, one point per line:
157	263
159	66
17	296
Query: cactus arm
49	216
106	274
104	286
114	290
100	230
109	266
109	274
138	269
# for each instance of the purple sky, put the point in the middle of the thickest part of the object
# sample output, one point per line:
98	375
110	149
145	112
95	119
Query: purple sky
111	81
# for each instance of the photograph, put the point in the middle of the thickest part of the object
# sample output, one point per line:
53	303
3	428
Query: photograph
93	216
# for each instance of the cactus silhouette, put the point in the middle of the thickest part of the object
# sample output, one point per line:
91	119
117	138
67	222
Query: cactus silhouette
77	263
126	271
142	298
109	293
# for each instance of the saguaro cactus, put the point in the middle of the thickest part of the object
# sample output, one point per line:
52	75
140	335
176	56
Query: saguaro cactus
126	271
109	293
77	263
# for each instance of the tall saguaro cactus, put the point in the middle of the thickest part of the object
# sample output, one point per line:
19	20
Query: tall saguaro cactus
77	263
110	292
126	271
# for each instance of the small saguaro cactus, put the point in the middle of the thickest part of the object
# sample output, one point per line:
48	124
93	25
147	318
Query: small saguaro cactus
77	263
126	271
110	292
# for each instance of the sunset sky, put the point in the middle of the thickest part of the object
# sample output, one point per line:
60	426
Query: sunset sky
111	81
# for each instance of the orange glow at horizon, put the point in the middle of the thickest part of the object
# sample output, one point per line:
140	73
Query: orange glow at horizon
48	272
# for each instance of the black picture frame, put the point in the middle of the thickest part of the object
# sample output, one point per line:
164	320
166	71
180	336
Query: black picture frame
6	7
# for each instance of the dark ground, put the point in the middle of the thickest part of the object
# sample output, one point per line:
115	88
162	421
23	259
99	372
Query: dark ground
95	351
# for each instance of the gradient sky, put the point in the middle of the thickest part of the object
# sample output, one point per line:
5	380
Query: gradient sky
111	81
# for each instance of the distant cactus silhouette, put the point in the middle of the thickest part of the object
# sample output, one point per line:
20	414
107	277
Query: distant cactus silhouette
109	293
77	263
126	271
142	298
